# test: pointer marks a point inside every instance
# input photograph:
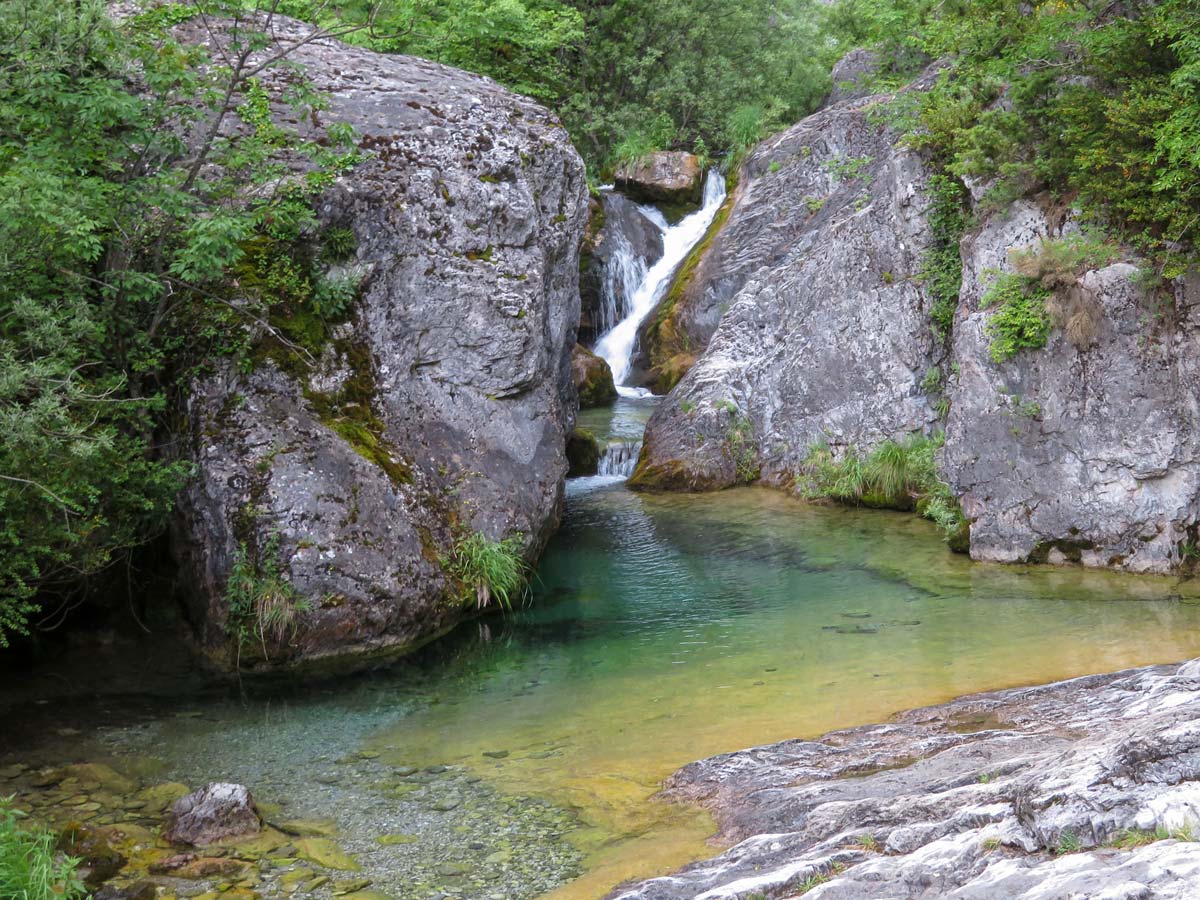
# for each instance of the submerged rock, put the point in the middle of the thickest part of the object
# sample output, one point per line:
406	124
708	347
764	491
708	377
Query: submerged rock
439	409
665	176
593	378
1064	790
216	812
98	861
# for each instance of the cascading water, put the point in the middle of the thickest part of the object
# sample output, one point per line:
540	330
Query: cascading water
617	344
622	275
619	459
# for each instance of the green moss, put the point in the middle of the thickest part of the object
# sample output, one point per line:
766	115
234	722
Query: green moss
583	453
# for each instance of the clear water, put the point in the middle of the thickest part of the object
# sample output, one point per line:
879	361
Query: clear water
662	629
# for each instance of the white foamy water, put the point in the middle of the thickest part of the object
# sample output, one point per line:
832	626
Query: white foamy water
617	345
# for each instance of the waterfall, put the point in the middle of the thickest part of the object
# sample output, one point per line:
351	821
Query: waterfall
617	344
622	275
620	458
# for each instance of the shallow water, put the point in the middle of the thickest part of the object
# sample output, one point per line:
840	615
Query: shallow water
662	629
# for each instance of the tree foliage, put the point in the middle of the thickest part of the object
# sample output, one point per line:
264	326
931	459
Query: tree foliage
133	172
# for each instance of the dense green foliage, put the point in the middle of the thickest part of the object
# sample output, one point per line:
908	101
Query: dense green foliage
122	214
29	867
895	475
1094	102
626	76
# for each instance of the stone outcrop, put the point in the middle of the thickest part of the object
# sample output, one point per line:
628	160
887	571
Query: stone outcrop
671	177
824	330
1084	788
851	74
620	245
214	813
1087	450
592	377
1088	454
440	409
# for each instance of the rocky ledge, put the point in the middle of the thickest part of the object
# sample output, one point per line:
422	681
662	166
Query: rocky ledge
1083	788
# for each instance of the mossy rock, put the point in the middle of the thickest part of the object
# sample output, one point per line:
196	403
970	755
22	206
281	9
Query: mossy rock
326	853
583	453
593	378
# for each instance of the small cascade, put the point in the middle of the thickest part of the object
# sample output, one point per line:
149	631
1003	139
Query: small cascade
617	344
622	275
620	458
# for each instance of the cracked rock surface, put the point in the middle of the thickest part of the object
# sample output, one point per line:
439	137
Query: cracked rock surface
1082	788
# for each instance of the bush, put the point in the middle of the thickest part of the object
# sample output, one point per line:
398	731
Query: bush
895	475
489	570
1020	321
29	867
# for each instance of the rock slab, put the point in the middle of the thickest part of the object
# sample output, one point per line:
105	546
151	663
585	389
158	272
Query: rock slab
664	176
1083	788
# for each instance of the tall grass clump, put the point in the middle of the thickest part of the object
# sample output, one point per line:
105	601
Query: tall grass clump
29	868
490	570
895	475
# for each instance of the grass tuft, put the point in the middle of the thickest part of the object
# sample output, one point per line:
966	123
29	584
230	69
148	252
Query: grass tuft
489	570
29	867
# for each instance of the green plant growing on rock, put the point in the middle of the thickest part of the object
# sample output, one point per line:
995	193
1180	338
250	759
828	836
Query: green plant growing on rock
263	606
740	443
1068	842
941	265
29	867
489	570
895	475
850	168
1020	321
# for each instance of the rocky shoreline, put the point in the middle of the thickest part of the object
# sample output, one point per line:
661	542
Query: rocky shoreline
1081	788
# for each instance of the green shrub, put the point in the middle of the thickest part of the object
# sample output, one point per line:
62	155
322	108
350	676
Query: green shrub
1020	321
895	475
332	297
29	867
941	266
489	570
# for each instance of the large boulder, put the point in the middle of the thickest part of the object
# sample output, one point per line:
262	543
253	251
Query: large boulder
336	490
216	812
621	244
824	330
1084	453
664	176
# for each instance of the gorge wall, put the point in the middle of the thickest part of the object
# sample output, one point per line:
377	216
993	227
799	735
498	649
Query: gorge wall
439	410
1080	451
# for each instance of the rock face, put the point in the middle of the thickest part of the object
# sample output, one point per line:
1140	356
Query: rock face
440	409
1085	788
851	74
592	377
1090	455
826	335
665	176
217	812
621	244
1083	452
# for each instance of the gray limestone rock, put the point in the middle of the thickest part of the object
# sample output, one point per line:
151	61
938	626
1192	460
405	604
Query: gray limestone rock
216	812
1027	793
440	409
664	176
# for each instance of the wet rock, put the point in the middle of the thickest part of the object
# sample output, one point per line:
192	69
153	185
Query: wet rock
673	177
349	886
326	853
441	407
139	890
193	867
592	377
994	811
216	812
495	754
620	245
583	453
98	861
